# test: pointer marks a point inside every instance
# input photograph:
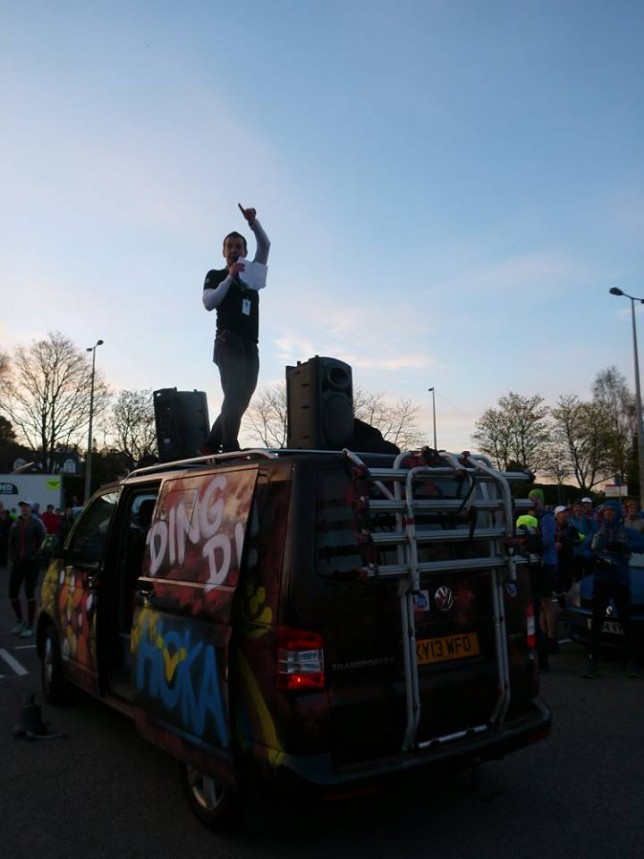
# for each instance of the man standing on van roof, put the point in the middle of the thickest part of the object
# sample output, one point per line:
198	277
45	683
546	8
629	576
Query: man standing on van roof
235	353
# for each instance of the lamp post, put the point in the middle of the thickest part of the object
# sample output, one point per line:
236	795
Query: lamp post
88	461
434	414
615	290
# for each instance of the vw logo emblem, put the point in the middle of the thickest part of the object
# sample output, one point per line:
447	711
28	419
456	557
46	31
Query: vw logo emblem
444	598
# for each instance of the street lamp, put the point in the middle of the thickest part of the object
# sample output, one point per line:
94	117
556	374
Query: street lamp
615	290
434	413
88	461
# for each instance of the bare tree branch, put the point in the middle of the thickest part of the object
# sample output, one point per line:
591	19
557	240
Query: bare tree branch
133	427
46	395
517	432
266	420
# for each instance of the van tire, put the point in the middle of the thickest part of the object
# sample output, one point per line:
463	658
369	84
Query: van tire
217	804
54	686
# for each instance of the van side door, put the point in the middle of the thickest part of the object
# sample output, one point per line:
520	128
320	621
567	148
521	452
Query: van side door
183	613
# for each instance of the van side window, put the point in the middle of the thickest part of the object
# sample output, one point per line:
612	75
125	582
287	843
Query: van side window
140	509
140	520
89	537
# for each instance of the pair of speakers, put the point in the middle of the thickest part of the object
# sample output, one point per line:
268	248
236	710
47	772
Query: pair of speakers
319	400
181	422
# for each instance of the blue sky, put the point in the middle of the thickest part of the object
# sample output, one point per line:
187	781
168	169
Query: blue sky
451	188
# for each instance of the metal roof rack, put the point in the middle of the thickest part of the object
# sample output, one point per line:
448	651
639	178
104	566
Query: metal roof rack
250	455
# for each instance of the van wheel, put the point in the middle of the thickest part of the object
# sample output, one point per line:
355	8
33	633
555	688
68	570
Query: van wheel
51	668
217	804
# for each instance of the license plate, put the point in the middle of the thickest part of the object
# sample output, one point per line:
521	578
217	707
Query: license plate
610	626
430	650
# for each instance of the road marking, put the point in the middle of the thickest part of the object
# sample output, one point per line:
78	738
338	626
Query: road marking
13	663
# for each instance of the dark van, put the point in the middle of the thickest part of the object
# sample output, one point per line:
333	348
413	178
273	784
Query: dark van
300	620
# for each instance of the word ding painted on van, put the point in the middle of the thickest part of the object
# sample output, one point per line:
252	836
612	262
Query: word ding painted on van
208	516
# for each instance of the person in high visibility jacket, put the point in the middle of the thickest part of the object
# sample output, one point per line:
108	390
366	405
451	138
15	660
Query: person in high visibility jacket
527	530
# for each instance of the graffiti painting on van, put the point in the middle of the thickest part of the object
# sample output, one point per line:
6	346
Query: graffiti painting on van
198	533
76	612
177	672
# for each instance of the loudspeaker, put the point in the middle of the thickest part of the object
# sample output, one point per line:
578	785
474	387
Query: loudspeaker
181	420
319	402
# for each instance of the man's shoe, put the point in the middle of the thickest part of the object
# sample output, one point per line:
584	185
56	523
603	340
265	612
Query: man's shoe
17	629
27	632
633	671
207	449
591	671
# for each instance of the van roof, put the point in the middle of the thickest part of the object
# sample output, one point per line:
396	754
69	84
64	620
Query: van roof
252	455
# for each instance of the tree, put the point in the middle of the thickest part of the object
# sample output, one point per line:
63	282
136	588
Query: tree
45	395
10	450
516	432
555	463
398	423
581	435
267	418
7	432
133	426
617	405
5	373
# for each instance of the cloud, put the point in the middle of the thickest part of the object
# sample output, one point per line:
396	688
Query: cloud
398	361
546	271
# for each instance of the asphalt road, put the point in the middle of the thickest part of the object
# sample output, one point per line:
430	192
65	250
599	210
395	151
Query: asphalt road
102	791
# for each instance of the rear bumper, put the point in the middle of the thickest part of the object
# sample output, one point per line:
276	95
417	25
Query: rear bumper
578	622
318	771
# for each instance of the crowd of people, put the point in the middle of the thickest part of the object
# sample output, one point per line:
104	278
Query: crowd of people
22	532
569	542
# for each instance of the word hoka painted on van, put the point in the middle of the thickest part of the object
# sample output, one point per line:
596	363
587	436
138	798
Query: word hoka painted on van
182	675
202	521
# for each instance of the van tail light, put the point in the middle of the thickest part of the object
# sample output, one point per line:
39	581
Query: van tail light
531	630
300	659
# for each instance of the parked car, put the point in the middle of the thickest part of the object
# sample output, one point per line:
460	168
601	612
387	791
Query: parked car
316	621
579	612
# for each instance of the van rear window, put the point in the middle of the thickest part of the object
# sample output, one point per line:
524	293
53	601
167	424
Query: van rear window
337	549
345	521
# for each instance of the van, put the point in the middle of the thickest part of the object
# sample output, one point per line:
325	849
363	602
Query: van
300	620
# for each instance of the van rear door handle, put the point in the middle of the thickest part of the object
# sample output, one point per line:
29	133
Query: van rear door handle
146	593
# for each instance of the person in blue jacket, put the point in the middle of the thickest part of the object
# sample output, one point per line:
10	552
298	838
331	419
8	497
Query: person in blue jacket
586	527
549	559
612	546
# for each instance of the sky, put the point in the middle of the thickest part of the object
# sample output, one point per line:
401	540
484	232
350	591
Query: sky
450	187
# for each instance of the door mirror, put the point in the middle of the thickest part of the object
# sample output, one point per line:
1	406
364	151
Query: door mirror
51	547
